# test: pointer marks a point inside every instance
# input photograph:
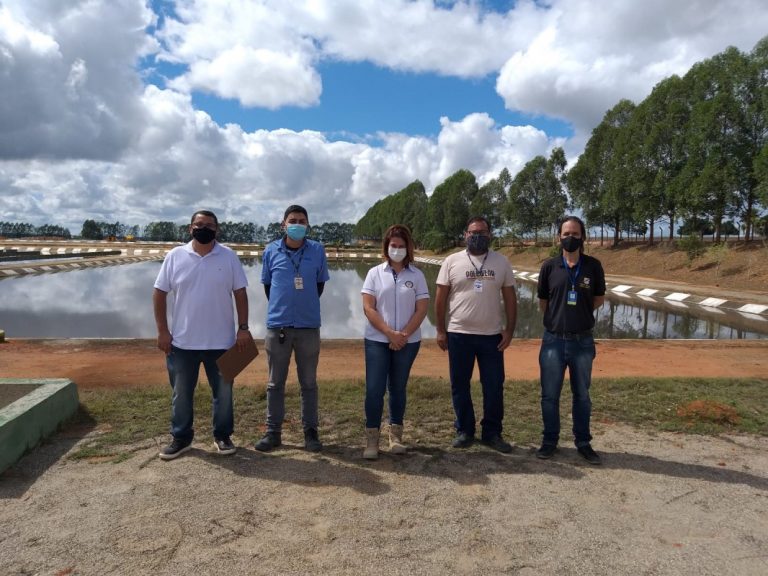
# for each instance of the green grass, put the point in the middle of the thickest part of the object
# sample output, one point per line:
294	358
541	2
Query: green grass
124	420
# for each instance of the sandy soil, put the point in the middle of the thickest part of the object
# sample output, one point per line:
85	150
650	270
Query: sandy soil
661	504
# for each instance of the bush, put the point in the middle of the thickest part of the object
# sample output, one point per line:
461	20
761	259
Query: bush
693	246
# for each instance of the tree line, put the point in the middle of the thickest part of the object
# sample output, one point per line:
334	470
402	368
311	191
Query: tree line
26	230
331	233
694	151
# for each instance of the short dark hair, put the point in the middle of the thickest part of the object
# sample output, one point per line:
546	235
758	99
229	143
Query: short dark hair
295	208
402	232
205	213
474	219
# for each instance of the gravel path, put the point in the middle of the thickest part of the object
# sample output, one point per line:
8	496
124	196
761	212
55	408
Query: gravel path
661	504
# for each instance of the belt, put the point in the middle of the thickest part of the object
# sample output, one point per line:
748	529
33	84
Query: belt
571	335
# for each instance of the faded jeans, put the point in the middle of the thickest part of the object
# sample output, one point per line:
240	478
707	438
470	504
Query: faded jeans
576	353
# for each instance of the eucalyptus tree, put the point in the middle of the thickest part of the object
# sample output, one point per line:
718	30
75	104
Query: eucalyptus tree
408	207
537	198
448	208
600	181
657	152
717	166
491	199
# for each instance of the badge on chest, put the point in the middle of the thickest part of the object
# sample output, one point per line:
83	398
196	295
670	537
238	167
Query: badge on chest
298	283
478	286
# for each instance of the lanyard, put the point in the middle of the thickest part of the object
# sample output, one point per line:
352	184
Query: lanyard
296	265
573	278
478	271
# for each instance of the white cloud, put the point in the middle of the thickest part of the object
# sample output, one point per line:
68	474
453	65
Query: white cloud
589	55
81	136
69	86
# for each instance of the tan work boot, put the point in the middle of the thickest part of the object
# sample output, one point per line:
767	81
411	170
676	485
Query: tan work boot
396	445
371	451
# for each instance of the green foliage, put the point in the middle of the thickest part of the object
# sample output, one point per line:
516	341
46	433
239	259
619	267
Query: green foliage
25	230
449	204
693	246
436	241
407	207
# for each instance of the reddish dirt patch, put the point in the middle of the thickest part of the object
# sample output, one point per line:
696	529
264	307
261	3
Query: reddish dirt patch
110	363
710	411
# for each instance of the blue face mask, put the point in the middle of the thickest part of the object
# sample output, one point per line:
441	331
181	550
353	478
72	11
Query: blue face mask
296	231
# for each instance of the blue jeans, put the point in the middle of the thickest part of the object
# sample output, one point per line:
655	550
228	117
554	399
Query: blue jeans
557	353
183	370
463	349
386	369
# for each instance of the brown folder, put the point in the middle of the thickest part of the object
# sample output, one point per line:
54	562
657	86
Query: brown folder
233	361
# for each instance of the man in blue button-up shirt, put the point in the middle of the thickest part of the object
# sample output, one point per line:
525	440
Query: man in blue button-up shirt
294	272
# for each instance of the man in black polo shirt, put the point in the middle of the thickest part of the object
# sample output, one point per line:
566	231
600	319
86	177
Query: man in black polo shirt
570	287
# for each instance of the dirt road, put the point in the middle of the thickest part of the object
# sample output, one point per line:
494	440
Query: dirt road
96	363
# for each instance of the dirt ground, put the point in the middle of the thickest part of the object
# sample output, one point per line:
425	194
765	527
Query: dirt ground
116	363
661	504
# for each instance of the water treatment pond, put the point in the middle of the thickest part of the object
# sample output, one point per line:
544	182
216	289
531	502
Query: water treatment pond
116	302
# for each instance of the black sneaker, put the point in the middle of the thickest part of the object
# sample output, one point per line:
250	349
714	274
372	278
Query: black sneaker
269	441
224	445
463	440
311	441
546	451
497	443
175	449
589	455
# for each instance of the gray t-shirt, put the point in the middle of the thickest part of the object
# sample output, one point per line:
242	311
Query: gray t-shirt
474	299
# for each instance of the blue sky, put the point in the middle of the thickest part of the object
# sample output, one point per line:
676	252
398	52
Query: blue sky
142	110
360	99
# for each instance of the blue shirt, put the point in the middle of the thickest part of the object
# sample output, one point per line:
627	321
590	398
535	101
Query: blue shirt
288	305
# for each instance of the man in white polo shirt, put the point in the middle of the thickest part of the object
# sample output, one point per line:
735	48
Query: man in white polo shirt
204	277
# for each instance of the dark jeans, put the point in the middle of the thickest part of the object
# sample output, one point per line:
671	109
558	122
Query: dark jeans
183	370
463	349
557	353
386	369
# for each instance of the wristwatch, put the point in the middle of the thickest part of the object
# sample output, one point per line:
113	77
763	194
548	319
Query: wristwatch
243	327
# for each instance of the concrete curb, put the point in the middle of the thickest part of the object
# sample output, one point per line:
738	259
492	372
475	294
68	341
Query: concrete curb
29	419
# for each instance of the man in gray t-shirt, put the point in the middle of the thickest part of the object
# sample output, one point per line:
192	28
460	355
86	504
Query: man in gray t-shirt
470	287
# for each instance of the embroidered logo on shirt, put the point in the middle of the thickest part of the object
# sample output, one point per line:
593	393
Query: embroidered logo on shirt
408	284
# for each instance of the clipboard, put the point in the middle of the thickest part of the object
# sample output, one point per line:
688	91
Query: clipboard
233	361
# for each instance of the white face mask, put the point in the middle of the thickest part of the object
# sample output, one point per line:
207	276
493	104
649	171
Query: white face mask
396	254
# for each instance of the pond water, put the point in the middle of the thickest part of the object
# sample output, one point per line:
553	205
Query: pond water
116	302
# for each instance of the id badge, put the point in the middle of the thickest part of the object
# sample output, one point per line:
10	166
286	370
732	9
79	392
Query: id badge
298	283
572	297
478	285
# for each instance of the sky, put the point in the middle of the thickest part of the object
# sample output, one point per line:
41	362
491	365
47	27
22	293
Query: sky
145	110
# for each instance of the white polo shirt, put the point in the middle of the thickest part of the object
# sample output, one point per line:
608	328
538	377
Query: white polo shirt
395	301
203	315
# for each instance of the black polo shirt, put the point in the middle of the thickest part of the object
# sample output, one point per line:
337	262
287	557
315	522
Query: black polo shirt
554	285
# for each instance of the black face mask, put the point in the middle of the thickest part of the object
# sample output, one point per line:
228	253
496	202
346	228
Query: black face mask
571	243
478	244
203	235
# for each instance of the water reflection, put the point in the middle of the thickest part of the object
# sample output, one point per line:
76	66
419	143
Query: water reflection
116	302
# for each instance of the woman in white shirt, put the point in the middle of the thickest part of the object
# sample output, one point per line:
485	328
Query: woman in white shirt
395	302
